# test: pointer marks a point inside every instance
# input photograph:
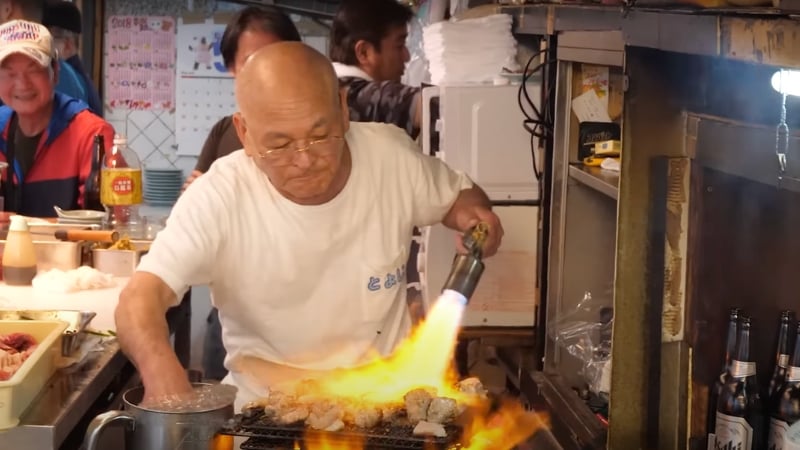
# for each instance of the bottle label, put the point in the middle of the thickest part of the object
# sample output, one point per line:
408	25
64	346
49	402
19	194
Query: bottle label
742	369
733	433
121	187
793	375
783	361
712	442
777	434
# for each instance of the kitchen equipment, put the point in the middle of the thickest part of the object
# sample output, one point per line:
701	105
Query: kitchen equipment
150	430
478	129
73	335
79	214
468	267
17	393
51	254
120	263
266	434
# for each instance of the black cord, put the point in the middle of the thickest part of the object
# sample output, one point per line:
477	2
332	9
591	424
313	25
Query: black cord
540	124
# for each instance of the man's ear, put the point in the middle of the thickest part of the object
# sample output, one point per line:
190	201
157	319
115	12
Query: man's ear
241	130
362	50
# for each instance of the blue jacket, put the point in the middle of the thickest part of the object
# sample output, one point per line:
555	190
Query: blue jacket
69	83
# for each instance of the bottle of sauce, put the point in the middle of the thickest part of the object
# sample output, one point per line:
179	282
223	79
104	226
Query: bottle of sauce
19	255
91	193
121	189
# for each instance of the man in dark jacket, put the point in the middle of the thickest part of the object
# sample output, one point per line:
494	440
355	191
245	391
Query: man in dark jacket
63	19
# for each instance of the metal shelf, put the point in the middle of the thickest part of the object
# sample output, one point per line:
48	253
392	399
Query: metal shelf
744	34
604	181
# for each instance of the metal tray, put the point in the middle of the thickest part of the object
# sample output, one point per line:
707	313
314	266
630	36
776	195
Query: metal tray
76	324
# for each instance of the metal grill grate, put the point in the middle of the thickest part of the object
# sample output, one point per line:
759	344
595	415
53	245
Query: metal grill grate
267	435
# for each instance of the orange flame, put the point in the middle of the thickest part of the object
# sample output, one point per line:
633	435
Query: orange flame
505	428
424	360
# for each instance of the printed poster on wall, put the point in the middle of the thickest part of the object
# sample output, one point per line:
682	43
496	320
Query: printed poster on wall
204	91
140	55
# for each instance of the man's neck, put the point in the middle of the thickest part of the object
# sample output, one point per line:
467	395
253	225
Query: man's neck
33	124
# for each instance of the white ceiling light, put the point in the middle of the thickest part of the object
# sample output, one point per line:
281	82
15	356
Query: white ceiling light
787	82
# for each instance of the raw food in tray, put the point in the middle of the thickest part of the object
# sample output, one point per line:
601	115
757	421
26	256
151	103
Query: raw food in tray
15	348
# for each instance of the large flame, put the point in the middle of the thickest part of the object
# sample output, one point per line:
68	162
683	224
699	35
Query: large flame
424	360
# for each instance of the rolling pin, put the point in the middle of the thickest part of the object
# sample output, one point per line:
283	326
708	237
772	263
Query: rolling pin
105	236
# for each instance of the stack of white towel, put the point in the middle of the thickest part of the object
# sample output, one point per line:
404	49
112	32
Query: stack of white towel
471	50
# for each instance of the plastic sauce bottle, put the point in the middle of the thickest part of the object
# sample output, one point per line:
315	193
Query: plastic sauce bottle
121	189
19	255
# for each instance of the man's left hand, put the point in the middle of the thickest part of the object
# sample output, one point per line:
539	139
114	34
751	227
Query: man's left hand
493	238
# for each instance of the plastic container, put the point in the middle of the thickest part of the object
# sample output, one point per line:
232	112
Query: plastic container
121	189
17	394
19	254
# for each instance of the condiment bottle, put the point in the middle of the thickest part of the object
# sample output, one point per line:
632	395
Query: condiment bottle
121	189
19	255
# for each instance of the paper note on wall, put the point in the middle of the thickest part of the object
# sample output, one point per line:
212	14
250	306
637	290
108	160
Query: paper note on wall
588	108
595	78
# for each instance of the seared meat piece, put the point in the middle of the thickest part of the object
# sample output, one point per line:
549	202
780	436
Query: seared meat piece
363	416
429	429
417	402
392	413
324	416
279	404
294	415
254	408
473	386
442	410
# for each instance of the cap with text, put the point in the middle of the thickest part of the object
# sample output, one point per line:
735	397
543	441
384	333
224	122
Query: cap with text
27	38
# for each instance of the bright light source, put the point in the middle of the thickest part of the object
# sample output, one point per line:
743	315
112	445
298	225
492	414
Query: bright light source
787	82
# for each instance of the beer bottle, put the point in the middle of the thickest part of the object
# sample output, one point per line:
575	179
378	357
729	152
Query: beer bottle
787	402
739	412
91	191
781	355
730	347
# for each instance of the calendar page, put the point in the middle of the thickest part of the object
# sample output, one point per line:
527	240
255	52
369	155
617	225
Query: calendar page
204	91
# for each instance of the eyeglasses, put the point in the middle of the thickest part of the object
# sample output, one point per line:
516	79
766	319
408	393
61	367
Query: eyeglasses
317	146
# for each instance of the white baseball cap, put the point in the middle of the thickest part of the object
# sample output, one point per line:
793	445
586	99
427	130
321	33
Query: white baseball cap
27	38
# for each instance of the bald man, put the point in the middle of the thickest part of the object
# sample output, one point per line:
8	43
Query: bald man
302	236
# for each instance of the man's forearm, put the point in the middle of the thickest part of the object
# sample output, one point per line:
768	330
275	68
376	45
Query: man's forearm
461	213
144	336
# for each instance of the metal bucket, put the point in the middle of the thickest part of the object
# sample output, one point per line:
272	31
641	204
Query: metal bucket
150	430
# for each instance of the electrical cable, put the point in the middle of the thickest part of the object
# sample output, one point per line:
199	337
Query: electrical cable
539	124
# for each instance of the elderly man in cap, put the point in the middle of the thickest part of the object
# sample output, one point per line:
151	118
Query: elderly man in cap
63	19
47	137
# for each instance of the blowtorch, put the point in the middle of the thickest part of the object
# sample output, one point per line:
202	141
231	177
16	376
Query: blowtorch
468	268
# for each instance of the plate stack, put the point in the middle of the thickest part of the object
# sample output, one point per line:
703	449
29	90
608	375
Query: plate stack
80	217
470	50
162	186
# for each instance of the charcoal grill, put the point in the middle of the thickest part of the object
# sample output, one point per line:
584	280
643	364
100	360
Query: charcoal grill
264	434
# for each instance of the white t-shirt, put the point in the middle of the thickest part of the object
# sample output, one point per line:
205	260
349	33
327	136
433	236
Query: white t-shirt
311	287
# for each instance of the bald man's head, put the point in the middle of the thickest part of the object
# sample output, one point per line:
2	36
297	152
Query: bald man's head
292	121
286	70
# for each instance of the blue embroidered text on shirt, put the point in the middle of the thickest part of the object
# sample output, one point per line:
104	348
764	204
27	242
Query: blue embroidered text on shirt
401	272
390	281
374	283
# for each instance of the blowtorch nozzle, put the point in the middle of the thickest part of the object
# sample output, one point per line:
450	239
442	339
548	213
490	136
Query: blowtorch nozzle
468	268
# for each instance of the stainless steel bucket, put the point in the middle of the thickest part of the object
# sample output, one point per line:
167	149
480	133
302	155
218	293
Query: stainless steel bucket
151	430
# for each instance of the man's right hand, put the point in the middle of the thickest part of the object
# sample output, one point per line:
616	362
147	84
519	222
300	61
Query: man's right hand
167	387
194	175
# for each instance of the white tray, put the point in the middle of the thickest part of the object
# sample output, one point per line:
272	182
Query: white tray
17	393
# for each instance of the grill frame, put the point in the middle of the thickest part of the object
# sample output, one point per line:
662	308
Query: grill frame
263	434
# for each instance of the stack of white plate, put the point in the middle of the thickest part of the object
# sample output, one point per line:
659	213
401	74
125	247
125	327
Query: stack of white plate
162	186
80	217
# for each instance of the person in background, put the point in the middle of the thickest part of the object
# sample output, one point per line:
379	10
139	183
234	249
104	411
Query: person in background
68	81
63	19
47	137
250	29
369	53
302	235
